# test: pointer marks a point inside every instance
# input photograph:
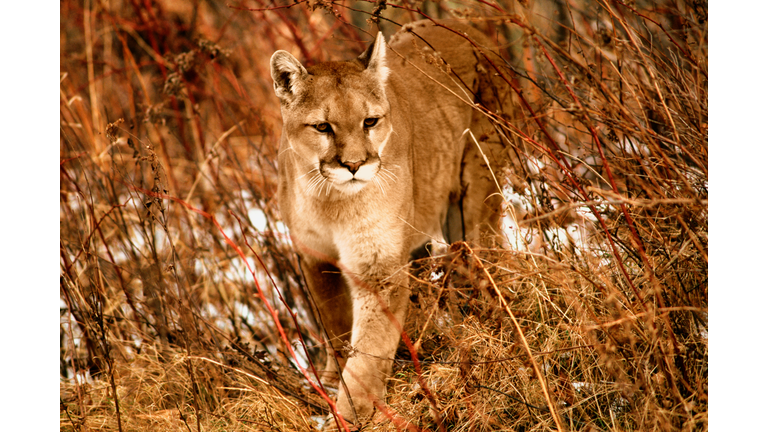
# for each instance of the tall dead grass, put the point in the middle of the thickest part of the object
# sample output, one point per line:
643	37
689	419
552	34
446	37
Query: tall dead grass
182	302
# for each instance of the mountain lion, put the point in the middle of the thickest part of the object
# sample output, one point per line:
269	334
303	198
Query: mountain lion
376	160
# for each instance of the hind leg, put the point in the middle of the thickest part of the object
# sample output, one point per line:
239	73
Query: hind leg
485	155
481	199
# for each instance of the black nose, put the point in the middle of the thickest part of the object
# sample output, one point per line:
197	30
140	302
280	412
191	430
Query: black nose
352	166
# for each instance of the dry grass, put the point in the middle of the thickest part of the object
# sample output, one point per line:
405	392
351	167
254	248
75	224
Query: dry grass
180	288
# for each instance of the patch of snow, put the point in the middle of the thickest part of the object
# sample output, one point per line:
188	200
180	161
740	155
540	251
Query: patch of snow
436	275
258	218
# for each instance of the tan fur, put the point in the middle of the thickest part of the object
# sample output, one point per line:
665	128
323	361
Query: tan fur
417	177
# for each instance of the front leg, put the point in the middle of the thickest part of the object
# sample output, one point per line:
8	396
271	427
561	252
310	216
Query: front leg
379	302
331	296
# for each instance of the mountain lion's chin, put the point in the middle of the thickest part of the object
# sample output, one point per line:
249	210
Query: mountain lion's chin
351	187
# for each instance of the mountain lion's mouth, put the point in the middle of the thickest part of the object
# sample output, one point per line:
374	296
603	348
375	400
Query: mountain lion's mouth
351	186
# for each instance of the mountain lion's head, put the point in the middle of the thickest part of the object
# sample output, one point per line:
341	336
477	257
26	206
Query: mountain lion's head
336	118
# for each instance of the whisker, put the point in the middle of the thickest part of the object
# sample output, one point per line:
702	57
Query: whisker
308	161
320	186
285	150
383	176
311	181
378	183
314	182
317	184
389	172
307	173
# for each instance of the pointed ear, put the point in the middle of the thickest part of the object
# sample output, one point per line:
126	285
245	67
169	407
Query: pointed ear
375	58
287	74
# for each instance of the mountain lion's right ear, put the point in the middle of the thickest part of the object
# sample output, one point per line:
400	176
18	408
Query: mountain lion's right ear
287	74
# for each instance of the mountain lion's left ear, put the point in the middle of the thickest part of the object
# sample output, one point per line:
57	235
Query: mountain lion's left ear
375	58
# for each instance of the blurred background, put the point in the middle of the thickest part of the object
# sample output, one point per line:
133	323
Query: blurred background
182	303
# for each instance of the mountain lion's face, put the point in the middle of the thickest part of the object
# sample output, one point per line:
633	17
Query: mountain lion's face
336	120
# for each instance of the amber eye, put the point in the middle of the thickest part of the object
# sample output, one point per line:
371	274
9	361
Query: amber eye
323	127
370	122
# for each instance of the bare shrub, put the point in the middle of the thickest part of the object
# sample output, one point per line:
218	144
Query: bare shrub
182	300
